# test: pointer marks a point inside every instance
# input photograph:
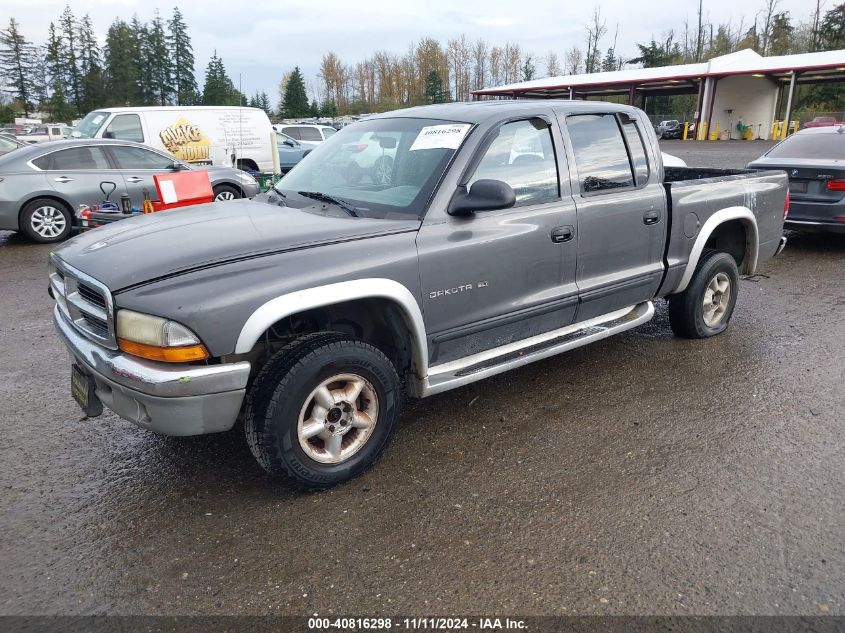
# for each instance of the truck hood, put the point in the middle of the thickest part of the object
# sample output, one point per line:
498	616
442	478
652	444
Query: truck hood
141	249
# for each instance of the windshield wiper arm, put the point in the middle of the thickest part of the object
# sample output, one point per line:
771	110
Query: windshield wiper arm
324	197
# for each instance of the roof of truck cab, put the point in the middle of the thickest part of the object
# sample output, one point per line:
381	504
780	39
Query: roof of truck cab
481	111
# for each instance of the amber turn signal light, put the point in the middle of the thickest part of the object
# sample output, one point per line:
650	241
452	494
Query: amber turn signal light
183	354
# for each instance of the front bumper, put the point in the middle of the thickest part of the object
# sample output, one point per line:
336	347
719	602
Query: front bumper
171	400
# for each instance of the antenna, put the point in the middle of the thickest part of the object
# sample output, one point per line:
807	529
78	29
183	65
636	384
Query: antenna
240	113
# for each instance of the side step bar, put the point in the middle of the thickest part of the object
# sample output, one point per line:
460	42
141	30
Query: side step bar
501	359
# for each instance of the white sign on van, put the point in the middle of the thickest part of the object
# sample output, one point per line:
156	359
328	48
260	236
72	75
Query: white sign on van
440	136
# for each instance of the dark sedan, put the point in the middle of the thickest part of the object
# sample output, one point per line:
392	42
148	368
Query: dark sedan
814	159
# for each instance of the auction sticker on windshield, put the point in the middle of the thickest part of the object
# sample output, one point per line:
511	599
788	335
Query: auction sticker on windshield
440	136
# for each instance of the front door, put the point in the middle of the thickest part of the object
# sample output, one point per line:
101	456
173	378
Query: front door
621	213
500	276
137	166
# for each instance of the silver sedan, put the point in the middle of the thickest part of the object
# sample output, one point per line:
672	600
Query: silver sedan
43	185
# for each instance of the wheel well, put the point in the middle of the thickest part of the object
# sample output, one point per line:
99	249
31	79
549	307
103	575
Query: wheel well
376	321
732	238
226	183
55	199
246	163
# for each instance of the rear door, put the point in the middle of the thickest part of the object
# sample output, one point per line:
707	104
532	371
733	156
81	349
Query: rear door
76	174
621	211
500	276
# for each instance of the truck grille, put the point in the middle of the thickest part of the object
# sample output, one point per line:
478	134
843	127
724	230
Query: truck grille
84	301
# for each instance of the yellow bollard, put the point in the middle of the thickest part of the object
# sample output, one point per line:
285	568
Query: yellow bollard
702	133
714	133
686	129
775	129
783	127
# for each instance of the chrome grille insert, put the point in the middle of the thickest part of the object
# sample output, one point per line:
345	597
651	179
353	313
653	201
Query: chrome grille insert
84	302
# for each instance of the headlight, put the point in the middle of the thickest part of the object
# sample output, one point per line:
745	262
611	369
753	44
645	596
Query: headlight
159	339
245	177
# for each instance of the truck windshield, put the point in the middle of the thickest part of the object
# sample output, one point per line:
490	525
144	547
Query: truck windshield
828	146
384	168
91	124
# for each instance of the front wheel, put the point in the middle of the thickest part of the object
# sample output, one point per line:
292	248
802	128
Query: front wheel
322	410
704	309
226	192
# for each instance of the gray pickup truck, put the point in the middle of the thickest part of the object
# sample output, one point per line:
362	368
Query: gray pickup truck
494	234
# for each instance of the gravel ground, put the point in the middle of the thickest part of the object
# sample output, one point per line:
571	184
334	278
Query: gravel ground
643	474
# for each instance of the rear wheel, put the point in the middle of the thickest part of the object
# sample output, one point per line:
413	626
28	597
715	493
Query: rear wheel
322	410
46	221
226	192
704	309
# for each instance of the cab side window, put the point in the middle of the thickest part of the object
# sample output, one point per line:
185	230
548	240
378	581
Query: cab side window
636	147
73	158
125	127
522	155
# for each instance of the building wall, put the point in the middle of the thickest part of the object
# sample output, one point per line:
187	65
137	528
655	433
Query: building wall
751	98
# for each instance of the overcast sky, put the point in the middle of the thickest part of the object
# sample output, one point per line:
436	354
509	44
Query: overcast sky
262	39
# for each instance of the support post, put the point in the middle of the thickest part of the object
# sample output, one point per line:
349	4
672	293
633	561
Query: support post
632	95
789	104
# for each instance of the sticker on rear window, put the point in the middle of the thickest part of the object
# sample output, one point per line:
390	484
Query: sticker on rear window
440	136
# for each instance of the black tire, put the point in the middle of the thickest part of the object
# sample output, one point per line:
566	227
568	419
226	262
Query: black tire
686	309
281	392
38	208
226	192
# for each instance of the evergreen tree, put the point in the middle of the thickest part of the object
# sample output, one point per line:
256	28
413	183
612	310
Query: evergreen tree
18	62
434	92
219	89
182	58
123	72
295	103
253	101
91	67
314	109
140	46
157	56
54	63
528	68
68	27
263	102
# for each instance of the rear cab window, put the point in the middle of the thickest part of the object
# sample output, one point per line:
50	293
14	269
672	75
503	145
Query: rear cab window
609	152
309	134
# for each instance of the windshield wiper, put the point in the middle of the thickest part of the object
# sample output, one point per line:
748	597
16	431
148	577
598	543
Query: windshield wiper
324	197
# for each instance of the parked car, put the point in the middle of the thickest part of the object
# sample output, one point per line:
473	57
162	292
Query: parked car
823	121
199	135
43	185
308	134
671	128
814	159
9	143
509	231
291	151
44	133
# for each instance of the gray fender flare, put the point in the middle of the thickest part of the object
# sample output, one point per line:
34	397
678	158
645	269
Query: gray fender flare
752	241
279	307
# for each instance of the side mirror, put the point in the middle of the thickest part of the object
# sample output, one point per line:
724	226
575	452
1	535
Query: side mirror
483	195
108	134
176	166
289	143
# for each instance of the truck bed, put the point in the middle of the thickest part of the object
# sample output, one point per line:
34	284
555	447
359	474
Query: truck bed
680	174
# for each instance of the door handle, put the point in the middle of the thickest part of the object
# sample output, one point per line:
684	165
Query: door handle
63	179
134	179
562	234
651	217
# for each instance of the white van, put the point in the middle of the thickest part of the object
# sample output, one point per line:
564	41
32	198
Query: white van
202	135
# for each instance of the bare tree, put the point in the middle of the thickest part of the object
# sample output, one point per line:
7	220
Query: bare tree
573	60
595	31
480	52
553	65
768	15
496	59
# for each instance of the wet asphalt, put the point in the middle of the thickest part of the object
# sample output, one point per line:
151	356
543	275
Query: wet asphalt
643	474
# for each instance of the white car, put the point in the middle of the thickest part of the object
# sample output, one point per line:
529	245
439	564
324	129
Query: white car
307	134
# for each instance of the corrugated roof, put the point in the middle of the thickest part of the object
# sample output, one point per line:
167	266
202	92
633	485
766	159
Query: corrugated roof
741	62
